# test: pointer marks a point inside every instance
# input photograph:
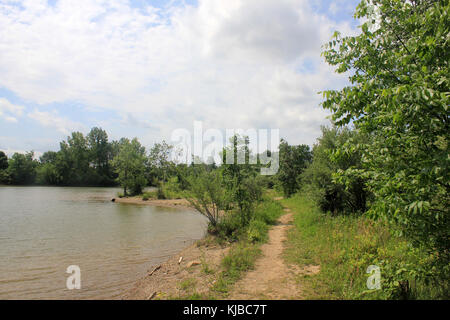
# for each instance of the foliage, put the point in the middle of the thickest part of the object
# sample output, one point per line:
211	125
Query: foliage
47	174
3	161
130	166
229	227
170	189
240	258
207	195
257	231
319	179
399	96
239	177
344	247
268	211
293	160
22	168
161	166
100	155
4	175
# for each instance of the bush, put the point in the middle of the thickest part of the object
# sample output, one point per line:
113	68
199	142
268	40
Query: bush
229	227
320	180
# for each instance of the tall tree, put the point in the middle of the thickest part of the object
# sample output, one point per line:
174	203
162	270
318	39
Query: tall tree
239	176
399	96
73	160
100	154
160	163
293	160
130	165
4	175
3	161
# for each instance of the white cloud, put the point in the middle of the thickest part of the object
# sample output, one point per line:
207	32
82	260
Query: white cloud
229	63
51	119
8	111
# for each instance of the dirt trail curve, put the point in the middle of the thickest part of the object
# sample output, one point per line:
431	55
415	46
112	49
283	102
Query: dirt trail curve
271	278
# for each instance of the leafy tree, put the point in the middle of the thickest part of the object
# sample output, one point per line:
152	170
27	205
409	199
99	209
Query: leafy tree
48	157
130	164
331	194
3	161
399	97
239	176
207	195
293	160
161	166
4	176
47	174
22	168
100	154
73	161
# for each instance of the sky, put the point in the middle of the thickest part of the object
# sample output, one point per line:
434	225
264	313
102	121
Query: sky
143	68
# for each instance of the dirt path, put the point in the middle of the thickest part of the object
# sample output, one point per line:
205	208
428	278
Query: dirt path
271	278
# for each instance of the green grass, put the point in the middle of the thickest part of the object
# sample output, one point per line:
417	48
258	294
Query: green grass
240	259
188	284
344	246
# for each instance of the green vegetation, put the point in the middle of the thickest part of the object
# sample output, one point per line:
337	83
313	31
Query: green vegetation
344	246
374	190
293	160
22	168
241	258
398	99
129	165
318	180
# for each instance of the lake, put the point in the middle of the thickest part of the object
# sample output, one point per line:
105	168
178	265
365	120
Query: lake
43	230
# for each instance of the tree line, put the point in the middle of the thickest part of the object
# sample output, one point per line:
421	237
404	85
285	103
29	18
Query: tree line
90	160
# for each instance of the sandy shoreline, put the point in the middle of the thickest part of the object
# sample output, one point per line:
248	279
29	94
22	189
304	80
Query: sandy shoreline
172	203
163	281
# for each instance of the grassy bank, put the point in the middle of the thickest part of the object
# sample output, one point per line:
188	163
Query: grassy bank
343	247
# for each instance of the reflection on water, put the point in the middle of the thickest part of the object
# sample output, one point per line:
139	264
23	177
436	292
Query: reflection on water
43	230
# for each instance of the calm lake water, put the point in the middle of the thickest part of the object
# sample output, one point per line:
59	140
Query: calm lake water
43	230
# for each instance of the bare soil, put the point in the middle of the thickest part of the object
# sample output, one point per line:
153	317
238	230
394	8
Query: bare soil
174	279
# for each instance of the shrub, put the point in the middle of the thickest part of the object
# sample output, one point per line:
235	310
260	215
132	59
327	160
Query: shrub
229	227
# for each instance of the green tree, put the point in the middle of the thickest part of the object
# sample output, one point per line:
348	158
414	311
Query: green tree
4	176
161	166
239	177
100	154
22	168
293	160
399	96
3	161
72	161
130	165
207	195
344	193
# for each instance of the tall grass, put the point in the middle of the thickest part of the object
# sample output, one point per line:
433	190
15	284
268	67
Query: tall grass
344	247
